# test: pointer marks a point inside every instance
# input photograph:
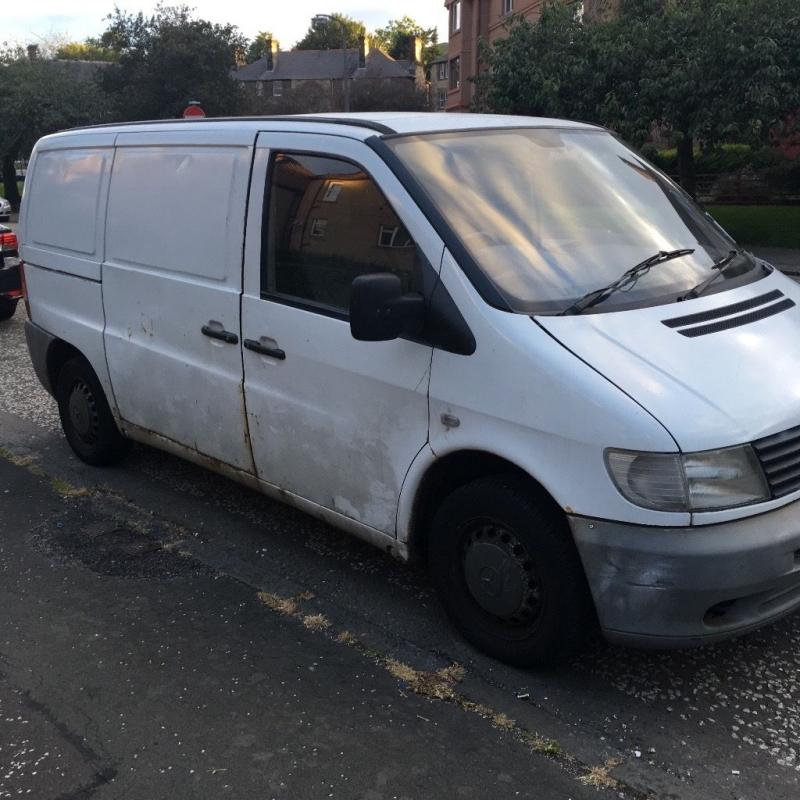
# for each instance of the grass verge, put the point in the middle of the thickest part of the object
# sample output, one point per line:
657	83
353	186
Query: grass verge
768	226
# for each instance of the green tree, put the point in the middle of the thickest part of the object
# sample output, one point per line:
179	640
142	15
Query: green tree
392	38
39	97
87	50
168	59
257	47
327	35
701	71
540	68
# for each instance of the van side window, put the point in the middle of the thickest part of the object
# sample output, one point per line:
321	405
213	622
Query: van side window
326	222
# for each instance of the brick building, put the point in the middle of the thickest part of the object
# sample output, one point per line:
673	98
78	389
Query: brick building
473	21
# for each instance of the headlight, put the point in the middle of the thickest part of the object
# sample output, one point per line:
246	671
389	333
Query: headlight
705	481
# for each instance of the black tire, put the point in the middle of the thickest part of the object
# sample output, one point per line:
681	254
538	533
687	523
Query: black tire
518	555
7	308
85	416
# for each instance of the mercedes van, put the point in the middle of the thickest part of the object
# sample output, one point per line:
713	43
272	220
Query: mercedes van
508	346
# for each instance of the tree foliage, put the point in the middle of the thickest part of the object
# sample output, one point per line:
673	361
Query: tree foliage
393	37
38	97
168	59
257	47
705	71
90	49
327	35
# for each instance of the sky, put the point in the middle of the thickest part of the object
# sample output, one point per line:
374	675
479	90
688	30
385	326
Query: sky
29	21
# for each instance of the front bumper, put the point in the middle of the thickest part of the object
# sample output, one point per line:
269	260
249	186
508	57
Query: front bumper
678	587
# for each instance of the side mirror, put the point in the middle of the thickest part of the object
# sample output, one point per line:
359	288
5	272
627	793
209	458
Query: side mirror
379	311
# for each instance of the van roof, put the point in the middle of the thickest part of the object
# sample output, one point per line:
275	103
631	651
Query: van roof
362	125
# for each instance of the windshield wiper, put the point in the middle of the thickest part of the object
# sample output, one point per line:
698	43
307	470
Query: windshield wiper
719	268
625	282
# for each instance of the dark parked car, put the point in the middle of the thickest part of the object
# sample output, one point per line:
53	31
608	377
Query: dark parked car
10	284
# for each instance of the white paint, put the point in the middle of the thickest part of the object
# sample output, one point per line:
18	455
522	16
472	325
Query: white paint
61	222
173	264
338	421
343	426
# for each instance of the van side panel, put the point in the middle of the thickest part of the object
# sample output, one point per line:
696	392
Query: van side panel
62	241
71	309
172	282
61	225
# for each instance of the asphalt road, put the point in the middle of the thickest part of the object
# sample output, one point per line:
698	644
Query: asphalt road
147	648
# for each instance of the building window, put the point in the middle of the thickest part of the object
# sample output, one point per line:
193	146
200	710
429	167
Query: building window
332	193
455	16
455	73
508	6
393	236
442	72
318	227
277	88
441	99
259	88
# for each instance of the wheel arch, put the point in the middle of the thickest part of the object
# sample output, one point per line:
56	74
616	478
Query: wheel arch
445	474
58	353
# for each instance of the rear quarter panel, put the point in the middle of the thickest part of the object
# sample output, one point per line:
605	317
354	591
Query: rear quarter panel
62	241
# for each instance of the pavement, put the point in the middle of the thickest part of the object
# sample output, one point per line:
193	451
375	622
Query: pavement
785	259
166	632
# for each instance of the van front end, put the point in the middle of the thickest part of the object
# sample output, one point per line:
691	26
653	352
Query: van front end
724	380
680	587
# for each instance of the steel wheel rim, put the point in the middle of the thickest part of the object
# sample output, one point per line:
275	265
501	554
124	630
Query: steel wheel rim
500	574
82	412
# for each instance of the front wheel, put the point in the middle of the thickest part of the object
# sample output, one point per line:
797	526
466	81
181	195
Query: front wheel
7	308
508	574
87	420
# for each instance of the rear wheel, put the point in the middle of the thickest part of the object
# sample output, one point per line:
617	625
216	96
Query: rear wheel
87	420
7	308
508	574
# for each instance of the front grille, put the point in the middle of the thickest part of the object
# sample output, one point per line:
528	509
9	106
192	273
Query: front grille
780	457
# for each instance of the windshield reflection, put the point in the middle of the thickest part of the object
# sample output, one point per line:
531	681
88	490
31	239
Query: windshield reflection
551	214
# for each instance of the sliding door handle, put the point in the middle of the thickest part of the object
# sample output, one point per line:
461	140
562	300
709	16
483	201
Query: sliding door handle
257	347
222	335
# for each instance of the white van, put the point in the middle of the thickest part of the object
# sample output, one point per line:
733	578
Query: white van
507	345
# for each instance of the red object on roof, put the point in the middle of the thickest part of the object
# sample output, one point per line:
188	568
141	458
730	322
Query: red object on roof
194	109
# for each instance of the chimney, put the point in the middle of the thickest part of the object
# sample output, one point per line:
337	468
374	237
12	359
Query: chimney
270	47
33	52
416	49
363	50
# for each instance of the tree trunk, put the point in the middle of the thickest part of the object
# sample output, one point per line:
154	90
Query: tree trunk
10	181
686	173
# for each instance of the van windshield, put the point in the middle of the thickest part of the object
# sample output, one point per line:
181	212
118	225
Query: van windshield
549	214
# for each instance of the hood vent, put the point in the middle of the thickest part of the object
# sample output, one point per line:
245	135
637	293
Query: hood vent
737	314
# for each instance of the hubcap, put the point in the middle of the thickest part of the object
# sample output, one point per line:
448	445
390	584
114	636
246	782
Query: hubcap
500	574
82	411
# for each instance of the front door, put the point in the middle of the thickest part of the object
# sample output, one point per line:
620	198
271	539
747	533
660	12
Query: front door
331	419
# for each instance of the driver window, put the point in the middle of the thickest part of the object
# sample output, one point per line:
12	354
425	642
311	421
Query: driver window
326	222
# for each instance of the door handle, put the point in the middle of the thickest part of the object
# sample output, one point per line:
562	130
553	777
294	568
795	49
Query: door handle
215	333
257	347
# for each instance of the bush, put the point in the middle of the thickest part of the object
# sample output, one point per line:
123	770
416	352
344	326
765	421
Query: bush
722	160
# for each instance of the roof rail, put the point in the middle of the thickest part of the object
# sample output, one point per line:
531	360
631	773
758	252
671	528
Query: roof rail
351	122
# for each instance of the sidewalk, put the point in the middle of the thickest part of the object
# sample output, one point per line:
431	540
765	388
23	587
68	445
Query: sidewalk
783	258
